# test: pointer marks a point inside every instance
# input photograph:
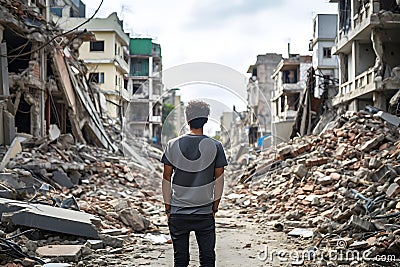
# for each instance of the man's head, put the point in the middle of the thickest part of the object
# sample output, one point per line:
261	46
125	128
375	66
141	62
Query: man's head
197	113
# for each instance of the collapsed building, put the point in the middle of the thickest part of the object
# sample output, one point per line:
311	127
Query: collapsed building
367	43
44	89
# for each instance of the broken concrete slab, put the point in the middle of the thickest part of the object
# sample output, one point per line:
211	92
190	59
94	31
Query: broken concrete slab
393	190
49	218
62	179
301	232
68	252
54	132
361	223
392	119
9	127
13	150
371	144
95	244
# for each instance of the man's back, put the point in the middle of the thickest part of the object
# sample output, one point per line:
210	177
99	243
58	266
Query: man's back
194	159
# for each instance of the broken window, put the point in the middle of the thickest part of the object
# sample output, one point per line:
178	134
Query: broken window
344	15
290	76
254	72
139	67
293	101
96	77
327	52
96	46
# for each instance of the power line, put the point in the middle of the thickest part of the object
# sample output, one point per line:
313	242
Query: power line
58	35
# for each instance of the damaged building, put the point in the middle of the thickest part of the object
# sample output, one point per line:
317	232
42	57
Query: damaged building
289	83
145	83
368	46
44	90
259	91
106	58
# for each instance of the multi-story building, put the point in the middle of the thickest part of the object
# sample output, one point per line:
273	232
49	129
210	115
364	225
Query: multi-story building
68	8
259	90
145	84
106	59
368	46
324	62
289	83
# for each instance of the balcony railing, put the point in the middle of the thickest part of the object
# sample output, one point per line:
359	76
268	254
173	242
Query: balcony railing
362	84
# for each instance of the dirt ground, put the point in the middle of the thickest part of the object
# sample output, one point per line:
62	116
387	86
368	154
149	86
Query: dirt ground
239	243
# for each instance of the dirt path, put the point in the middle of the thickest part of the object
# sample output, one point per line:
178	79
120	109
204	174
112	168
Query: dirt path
239	243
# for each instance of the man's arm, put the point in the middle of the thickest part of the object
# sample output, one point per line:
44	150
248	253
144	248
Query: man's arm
166	187
219	187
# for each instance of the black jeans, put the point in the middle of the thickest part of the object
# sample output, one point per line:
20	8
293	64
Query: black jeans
180	226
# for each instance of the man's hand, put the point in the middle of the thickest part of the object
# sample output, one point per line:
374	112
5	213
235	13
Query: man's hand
166	188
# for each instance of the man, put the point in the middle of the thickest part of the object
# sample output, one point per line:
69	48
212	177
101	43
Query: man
192	187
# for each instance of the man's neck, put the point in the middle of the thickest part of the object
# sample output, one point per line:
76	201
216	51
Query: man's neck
196	131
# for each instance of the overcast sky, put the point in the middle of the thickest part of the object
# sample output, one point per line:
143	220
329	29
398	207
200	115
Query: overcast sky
229	32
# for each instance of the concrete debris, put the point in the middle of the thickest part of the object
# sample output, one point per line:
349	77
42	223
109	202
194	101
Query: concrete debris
348	184
68	252
13	150
48	218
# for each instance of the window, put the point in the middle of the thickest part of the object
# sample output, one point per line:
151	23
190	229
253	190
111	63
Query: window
116	49
97	46
96	77
327	52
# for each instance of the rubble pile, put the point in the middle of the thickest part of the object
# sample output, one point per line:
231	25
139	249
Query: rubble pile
343	185
75	194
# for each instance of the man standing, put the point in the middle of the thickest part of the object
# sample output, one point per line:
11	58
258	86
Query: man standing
192	187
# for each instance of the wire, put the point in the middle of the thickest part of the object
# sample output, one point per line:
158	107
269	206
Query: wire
58	35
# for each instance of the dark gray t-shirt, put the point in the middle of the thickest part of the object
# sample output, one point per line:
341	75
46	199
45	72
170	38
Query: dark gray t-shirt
194	159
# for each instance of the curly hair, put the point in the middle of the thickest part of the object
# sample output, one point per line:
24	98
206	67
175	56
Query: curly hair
197	113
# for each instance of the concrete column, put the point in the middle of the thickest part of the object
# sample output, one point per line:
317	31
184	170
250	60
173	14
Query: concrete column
1	33
379	100
353	105
354	60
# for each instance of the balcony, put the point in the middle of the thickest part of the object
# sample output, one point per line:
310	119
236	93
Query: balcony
120	63
362	84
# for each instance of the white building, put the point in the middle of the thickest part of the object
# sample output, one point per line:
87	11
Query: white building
289	82
324	62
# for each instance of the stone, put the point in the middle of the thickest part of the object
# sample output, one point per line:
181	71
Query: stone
28	262
114	242
300	170
134	219
325	180
393	190
95	244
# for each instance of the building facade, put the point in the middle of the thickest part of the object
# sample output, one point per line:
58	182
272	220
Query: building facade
68	8
145	85
106	59
289	83
259	91
368	46
324	62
